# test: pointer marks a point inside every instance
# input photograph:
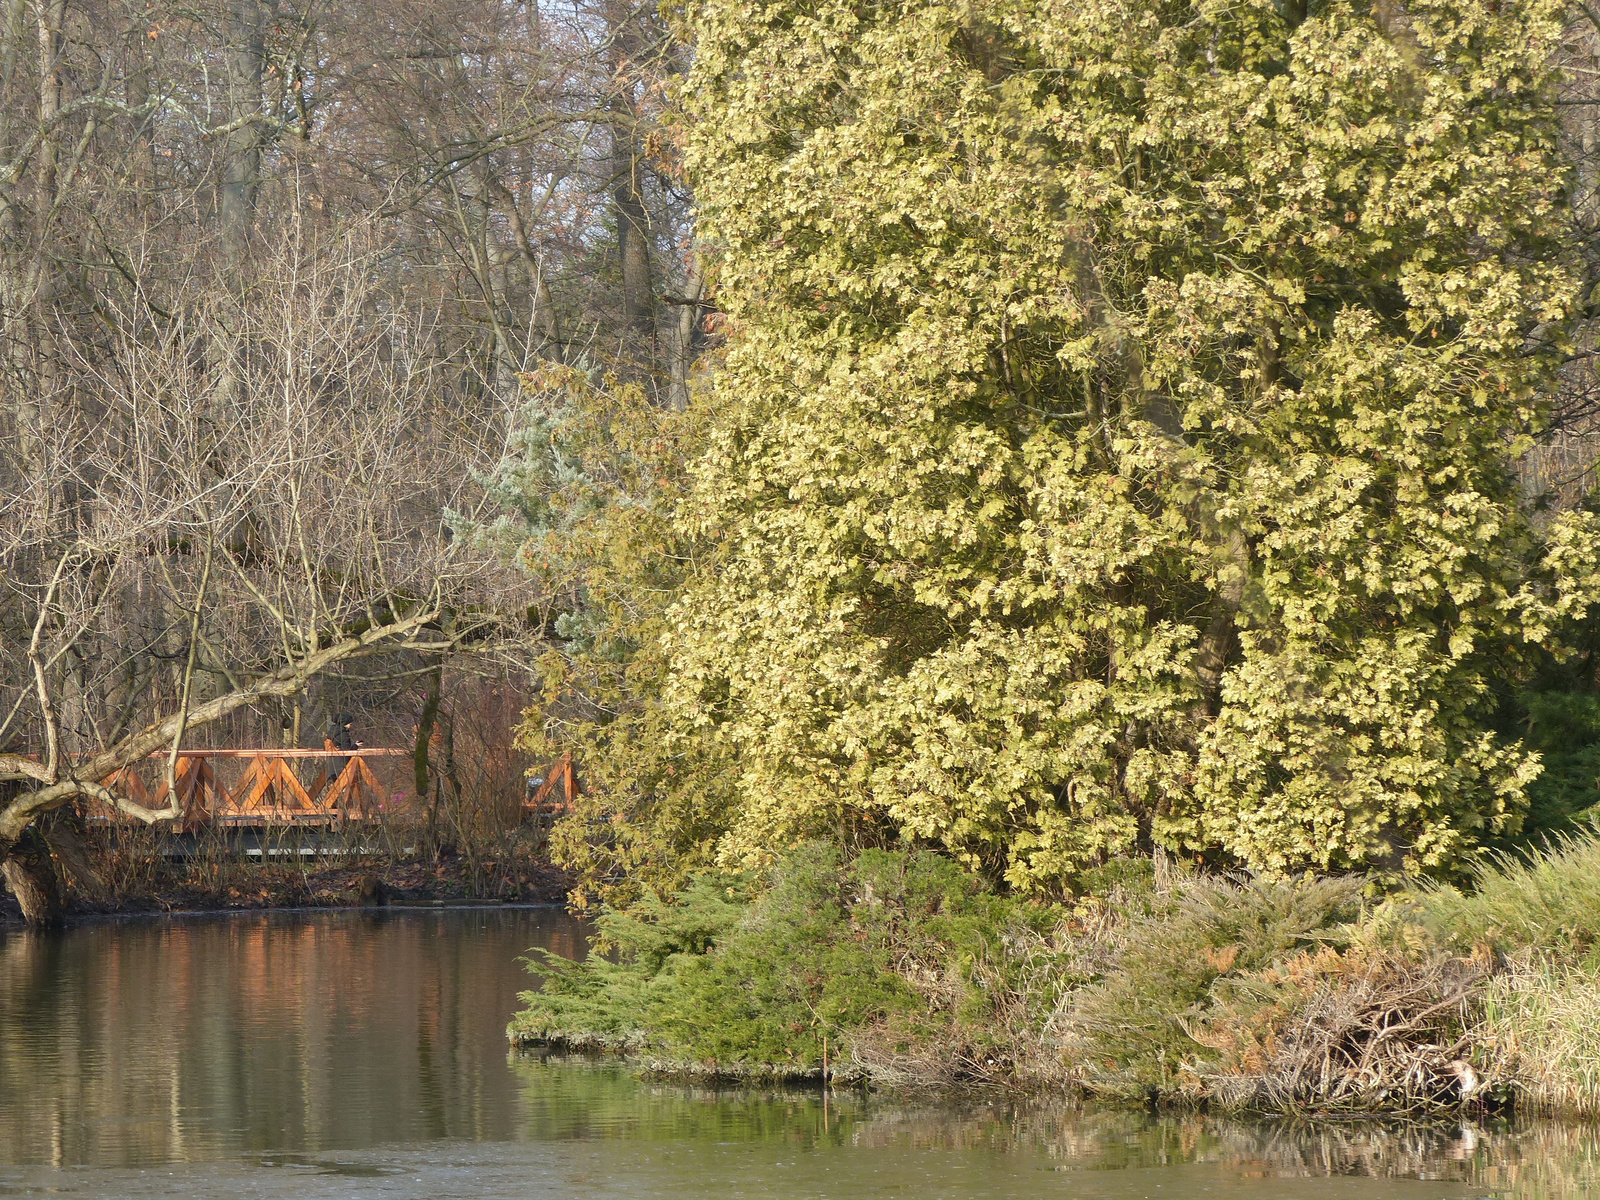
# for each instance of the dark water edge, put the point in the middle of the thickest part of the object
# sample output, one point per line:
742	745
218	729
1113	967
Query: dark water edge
363	1053
257	887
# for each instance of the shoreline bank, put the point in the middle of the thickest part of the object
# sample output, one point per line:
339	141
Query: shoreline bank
279	886
1233	994
1504	1098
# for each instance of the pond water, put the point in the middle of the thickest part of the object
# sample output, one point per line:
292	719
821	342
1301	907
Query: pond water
346	1054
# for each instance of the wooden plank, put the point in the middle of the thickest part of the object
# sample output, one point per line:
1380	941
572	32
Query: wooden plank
377	794
328	796
180	776
127	781
292	782
274	815
542	796
318	786
221	798
560	772
192	796
291	752
246	781
263	784
342	787
268	786
328	751
207	792
568	783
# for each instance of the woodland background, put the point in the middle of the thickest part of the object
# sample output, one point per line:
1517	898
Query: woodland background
268	275
380	359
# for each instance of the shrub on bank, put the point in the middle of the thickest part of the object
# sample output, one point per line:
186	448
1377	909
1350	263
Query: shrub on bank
1130	1033
1268	995
1547	898
913	972
887	949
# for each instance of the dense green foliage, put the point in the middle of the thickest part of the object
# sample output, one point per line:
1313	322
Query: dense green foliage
1114	447
719	977
1564	727
1118	439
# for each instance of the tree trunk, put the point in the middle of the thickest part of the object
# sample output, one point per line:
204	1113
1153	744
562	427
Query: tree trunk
34	404
65	833
684	340
544	304
30	876
419	756
633	243
242	153
236	190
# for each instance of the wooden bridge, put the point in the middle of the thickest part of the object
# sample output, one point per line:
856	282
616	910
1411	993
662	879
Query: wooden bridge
554	796
269	791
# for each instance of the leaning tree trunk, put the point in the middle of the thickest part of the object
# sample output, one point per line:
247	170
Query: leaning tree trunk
30	875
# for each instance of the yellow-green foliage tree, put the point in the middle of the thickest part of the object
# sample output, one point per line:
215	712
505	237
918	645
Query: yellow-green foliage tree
587	495
1117	443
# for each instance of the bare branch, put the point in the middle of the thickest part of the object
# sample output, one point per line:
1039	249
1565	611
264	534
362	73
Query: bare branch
288	680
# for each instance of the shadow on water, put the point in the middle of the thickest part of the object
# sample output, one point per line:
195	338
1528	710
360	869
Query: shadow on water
358	1054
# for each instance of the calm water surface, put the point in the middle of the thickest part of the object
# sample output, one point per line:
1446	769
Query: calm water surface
364	1055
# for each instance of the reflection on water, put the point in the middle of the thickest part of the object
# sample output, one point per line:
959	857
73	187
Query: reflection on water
151	1041
571	1100
363	1055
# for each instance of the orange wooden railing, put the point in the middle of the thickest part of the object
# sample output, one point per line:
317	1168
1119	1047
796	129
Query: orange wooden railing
268	793
558	791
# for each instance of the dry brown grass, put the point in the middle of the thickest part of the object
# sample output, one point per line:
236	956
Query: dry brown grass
1335	1031
1540	1027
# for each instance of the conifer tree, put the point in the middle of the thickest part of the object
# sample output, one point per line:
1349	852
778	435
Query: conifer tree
1117	440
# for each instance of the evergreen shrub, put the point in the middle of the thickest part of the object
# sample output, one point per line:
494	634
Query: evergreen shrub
1131	1032
719	979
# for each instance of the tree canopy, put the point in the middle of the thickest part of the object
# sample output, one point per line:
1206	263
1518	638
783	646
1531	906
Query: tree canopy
1116	443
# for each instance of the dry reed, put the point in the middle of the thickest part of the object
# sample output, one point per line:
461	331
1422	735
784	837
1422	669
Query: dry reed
1540	1026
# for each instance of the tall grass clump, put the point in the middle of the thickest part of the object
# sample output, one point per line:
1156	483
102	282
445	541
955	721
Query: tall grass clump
1540	1025
1539	1014
1546	899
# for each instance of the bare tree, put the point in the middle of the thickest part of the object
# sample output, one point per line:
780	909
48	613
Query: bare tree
268	276
228	556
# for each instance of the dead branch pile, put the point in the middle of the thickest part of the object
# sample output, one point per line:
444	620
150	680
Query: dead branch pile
1344	1032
